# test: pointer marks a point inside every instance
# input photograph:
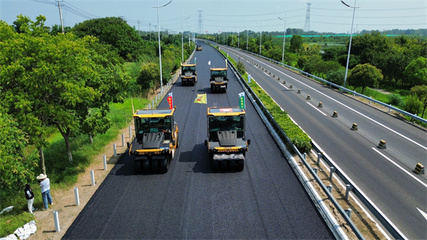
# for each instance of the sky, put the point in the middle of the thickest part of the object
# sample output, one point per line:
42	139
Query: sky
215	16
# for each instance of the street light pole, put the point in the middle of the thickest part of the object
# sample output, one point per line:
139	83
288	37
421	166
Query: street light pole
182	39
351	36
160	51
284	35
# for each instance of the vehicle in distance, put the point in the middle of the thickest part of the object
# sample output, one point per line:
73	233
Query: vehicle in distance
227	143
218	79
188	74
199	48
155	141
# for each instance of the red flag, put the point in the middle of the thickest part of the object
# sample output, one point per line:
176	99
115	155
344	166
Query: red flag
170	100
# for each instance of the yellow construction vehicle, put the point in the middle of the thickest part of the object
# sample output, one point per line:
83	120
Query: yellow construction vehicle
227	143
218	79
188	74
155	141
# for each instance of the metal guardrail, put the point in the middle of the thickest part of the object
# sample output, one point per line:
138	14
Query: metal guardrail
384	221
354	93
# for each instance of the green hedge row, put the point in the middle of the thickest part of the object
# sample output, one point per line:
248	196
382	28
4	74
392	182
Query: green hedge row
297	136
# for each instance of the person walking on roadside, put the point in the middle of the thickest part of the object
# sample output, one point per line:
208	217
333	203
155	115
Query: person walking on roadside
45	189
29	195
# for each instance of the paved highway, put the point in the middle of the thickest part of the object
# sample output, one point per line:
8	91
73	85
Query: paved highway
385	175
265	200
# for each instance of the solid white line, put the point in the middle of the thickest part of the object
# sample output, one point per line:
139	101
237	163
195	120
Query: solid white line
361	114
401	168
316	108
268	94
423	213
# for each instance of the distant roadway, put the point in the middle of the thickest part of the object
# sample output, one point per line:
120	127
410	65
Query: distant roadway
385	175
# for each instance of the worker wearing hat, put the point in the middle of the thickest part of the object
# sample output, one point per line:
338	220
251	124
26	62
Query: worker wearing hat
45	189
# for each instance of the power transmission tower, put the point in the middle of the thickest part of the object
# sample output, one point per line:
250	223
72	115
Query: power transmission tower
200	21
307	18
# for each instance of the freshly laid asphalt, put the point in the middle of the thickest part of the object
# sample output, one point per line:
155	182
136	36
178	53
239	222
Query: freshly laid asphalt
190	201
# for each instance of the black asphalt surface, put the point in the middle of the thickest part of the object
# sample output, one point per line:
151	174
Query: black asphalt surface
396	190
264	201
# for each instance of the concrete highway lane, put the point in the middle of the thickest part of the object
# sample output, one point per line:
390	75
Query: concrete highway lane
190	201
385	175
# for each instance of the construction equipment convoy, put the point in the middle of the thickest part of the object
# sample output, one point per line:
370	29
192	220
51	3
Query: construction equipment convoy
155	141
188	74
218	79
227	143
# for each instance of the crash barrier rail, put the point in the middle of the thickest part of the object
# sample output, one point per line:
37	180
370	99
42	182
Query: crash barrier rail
384	221
282	140
341	88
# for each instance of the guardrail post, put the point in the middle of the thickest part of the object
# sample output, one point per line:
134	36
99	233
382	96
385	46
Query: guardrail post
56	220
92	177
305	156
130	132
331	173
315	170
348	212
105	161
319	155
347	190
115	151
329	187
76	196
123	140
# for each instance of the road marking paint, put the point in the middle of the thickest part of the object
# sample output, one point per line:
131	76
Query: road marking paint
397	165
316	108
342	104
423	213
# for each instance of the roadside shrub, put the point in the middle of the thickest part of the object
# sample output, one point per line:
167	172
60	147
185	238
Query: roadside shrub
395	100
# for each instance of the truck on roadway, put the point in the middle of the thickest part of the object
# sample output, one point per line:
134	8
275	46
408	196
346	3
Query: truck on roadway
227	144
155	140
218	79
188	74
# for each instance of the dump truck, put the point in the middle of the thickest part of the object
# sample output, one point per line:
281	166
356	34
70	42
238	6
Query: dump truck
155	140
188	74
227	143
199	48
218	79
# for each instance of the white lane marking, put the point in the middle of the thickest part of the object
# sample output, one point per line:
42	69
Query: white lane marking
423	213
342	104
316	108
401	168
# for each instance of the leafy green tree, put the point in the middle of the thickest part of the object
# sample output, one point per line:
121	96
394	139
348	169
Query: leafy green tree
413	104
336	77
114	31
95	123
16	168
57	79
421	93
416	71
149	76
296	44
364	75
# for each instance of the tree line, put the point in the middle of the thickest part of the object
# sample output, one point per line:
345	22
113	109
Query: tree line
397	64
50	80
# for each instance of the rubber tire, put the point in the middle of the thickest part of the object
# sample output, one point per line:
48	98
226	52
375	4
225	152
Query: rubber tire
164	165
223	165
240	165
155	165
145	165
214	165
138	166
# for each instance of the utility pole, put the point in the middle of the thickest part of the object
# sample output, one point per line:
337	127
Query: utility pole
60	16
307	18
149	29
200	21
247	39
